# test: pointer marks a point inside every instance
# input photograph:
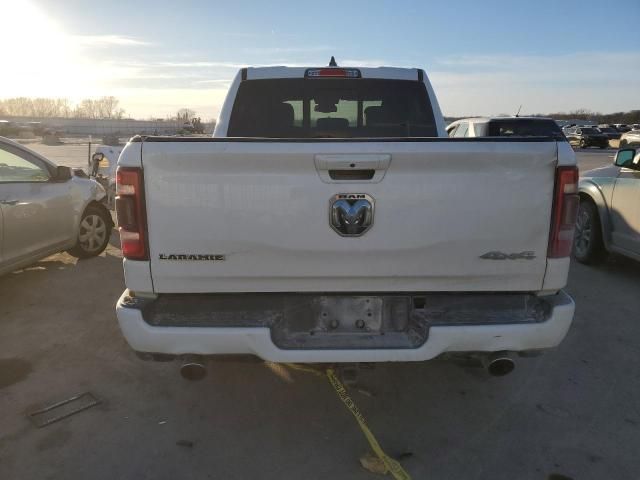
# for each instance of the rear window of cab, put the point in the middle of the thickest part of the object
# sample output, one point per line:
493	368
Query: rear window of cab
331	108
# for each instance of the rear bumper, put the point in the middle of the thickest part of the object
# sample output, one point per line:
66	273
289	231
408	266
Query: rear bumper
178	340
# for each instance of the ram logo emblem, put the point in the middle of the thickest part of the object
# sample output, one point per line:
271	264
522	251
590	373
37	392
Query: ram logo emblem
351	214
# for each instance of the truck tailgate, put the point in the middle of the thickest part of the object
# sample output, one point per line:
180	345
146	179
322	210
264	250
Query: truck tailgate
254	216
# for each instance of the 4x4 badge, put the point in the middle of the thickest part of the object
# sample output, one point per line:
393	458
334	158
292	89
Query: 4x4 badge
508	256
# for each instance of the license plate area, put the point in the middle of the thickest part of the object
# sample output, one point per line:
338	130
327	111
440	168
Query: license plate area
351	322
348	314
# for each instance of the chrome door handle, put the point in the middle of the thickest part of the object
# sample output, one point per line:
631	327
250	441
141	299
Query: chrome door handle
9	202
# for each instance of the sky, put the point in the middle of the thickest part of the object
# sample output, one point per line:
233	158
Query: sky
482	57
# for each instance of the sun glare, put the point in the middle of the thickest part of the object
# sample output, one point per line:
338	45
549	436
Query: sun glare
45	60
42	59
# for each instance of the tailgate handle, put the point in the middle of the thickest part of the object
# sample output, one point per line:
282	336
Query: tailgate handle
340	168
353	174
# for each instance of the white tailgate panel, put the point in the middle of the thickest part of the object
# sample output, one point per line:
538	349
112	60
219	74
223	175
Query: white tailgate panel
440	206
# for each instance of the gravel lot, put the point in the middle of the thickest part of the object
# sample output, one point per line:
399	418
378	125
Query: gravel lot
574	411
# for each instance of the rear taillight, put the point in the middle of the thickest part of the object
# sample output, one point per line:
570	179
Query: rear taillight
563	216
132	219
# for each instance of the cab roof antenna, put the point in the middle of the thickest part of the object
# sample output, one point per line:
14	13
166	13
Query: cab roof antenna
332	62
518	112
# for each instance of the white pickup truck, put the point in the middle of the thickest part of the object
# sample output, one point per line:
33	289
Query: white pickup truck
331	219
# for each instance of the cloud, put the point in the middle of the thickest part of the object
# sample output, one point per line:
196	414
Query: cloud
372	63
492	84
204	64
221	81
281	50
108	40
576	68
195	64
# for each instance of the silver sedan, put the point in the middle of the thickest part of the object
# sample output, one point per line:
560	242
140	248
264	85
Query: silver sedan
609	215
46	209
631	138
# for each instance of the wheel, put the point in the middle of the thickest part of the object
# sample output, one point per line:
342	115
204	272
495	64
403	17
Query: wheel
94	233
583	144
623	143
587	241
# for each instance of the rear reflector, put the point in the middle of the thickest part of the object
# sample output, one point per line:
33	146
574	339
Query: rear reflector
565	209
332	73
130	209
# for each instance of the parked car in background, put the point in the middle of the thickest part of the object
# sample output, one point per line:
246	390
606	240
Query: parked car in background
8	128
610	132
609	214
585	137
622	127
104	170
630	138
505	127
46	209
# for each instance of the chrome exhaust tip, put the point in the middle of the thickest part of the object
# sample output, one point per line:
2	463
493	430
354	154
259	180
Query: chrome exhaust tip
499	364
193	368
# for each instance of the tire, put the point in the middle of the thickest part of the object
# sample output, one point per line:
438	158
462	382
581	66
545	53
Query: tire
94	232
583	144
588	247
603	146
622	144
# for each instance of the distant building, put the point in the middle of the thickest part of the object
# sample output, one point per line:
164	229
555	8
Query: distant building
85	126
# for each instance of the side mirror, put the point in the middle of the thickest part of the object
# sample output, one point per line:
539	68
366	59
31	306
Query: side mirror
97	157
624	157
62	174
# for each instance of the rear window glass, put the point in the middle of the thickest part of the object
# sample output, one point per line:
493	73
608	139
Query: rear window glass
524	128
331	108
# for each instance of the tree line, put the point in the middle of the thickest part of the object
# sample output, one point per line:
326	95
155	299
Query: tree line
89	108
98	108
630	117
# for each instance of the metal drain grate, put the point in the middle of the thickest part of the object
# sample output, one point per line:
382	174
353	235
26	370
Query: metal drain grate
66	408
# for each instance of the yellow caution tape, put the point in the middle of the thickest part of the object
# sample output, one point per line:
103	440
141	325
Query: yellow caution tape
295	366
392	465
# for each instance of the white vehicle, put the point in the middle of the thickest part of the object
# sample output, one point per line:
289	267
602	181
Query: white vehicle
102	167
505	127
331	219
46	209
107	166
